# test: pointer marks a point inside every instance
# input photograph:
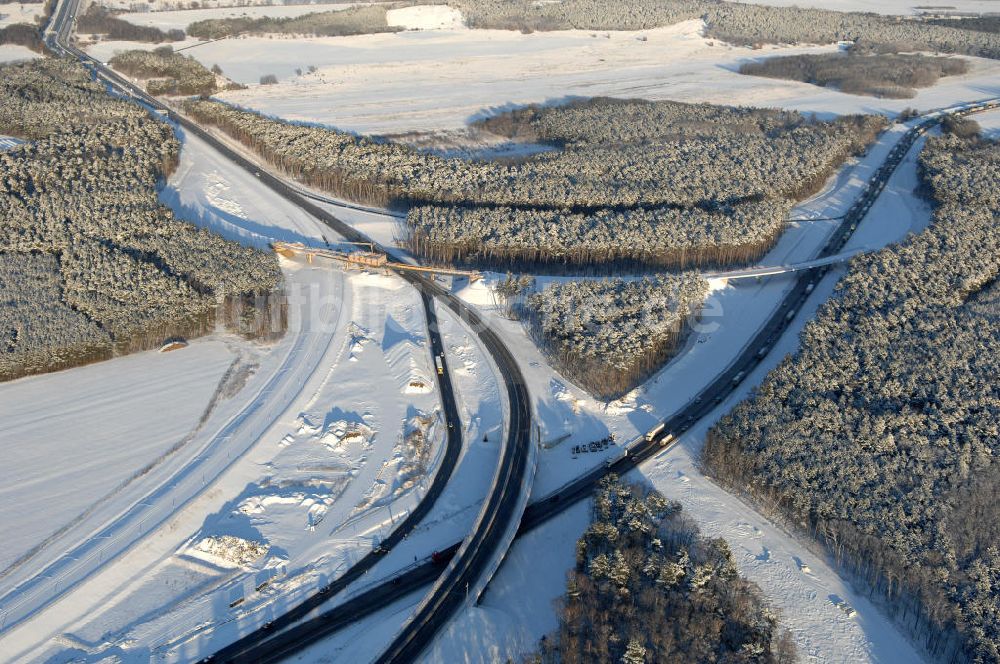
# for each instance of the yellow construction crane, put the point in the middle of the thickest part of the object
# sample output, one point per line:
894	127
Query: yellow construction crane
369	259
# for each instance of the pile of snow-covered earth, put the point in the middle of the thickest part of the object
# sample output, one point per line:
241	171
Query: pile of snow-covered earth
234	550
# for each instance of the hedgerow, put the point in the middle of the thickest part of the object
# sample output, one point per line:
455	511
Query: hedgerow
342	22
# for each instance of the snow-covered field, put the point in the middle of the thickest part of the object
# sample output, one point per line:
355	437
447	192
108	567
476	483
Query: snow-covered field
428	17
990	122
16	53
15	12
103	423
430	80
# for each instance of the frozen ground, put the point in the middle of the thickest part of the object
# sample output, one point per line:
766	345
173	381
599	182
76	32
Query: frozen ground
15	12
440	79
888	6
16	53
104	423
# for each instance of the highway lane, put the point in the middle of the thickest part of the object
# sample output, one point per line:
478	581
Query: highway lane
500	508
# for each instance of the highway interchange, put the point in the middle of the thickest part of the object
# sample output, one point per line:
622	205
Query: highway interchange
462	564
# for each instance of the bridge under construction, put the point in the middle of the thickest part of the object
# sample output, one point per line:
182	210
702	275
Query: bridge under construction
369	259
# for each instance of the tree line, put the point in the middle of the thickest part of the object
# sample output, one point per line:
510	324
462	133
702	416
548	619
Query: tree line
980	23
879	438
649	587
733	22
674	237
101	20
890	75
709	184
96	264
360	20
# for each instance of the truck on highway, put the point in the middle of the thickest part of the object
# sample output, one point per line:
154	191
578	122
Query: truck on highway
651	434
439	364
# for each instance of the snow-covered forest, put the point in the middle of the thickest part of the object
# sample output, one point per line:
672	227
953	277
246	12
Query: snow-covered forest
94	265
100	20
880	437
686	175
666	236
732	22
361	20
884	75
649	587
608	335
171	73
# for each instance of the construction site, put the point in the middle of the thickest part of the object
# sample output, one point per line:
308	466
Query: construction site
366	258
